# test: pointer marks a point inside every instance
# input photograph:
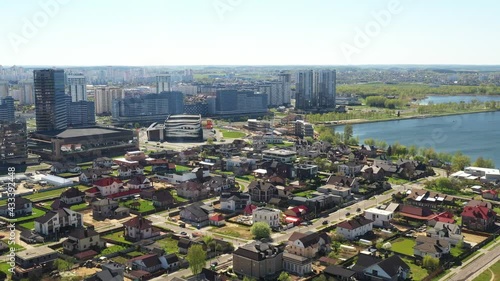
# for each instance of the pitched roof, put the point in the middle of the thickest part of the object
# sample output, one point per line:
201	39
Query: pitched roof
337	270
45	218
124	193
149	260
392	265
81	233
138	179
365	261
162	195
107	181
57	204
171	258
416	212
104	202
261	185
479	212
430	245
72	192
217	217
473	203
138	222
196	210
354	223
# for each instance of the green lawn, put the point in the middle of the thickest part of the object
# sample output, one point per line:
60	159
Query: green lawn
4	267
28	224
36	213
393	180
486	275
417	272
169	244
305	193
497	210
117	236
112	249
79	207
15	246
177	197
180	168
455	251
144	207
232	134
403	246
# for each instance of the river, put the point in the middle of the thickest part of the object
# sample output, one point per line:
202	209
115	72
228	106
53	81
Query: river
467	99
474	134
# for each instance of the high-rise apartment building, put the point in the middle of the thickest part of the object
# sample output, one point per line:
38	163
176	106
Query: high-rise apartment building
50	101
315	89
240	102
27	95
77	86
104	97
7	110
163	83
80	113
13	142
4	89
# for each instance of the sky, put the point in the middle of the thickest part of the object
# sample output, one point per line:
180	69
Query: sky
248	32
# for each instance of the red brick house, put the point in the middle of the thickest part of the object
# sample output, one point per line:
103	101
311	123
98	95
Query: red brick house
478	218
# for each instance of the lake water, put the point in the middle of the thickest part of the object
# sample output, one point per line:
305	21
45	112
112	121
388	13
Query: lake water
467	99
473	134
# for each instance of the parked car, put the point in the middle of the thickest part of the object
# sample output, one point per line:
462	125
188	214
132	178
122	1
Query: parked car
184	233
347	214
325	222
358	210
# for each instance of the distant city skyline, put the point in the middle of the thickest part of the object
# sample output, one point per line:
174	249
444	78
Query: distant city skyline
240	32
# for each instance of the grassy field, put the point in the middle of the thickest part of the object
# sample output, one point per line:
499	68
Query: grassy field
304	193
393	180
36	213
112	249
117	236
28	224
455	251
145	205
169	245
403	246
232	134
79	207
177	198
180	168
4	267
234	230
15	246
417	272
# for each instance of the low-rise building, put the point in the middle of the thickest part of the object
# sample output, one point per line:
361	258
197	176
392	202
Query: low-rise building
72	196
262	191
22	207
108	186
478	218
296	264
281	155
53	222
34	262
104	208
428	246
267	215
196	214
308	245
192	190
380	218
354	227
162	198
80	240
139	228
446	231
234	201
258	260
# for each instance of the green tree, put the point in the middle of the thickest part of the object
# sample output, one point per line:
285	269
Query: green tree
459	161
484	163
196	257
210	140
320	278
348	133
430	263
260	230
412	150
370	142
284	276
137	125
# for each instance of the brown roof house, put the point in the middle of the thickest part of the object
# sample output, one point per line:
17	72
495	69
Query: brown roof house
81	239
192	190
309	245
162	199
72	196
354	227
262	191
139	228
429	246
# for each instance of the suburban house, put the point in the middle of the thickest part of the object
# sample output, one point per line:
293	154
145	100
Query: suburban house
139	228
218	183
90	175
267	215
234	201
296	214
111	271
125	171
478	218
103	162
308	245
81	239
446	231
434	247
339	273
108	186
178	177
104	208
416	213
350	168
258	260
162	198
135	155
72	196
138	182
58	168
262	191
22	207
296	264
490	194
344	192
306	171
217	220
344	181
235	162
150	263
392	268
192	190
430	199
354	227
372	173
185	243
32	263
53	222
380	218
196	214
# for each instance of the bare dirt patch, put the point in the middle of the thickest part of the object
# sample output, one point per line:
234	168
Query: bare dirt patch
234	230
473	238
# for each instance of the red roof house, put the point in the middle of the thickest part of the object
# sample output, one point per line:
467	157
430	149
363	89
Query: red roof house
248	211
478	218
217	219
490	194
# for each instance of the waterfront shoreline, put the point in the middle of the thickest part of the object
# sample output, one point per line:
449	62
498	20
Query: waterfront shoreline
424	116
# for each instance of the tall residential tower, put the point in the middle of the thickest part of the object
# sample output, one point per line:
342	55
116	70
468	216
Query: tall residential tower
50	102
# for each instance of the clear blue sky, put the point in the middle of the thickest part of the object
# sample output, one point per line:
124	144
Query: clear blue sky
248	32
